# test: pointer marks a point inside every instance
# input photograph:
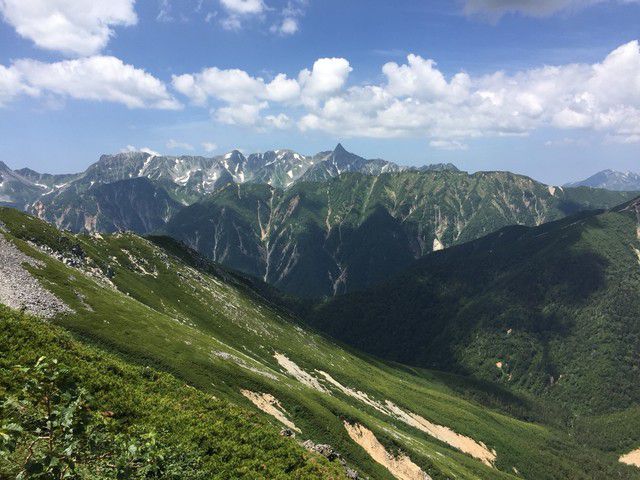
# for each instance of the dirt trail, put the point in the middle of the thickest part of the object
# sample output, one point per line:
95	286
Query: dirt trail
271	406
400	467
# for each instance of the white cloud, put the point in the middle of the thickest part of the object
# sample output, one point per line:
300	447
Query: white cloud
233	86
246	114
280	121
243	7
538	8
448	145
131	148
416	99
98	78
175	145
12	85
74	27
289	26
327	76
209	147
282	89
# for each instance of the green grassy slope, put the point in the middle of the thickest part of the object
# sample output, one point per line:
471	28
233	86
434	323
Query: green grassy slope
196	435
155	304
352	231
551	310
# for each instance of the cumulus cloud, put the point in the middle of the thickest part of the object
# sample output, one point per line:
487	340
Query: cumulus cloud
97	78
247	96
74	27
246	114
538	8
416	99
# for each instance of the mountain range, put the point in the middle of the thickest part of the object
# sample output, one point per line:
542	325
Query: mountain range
611	180
312	226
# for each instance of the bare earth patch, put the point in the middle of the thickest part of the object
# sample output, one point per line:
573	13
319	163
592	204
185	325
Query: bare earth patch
298	373
400	467
632	458
465	444
271	406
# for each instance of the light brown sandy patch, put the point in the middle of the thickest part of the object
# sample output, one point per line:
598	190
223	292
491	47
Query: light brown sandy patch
400	467
499	365
271	406
637	253
632	458
445	434
437	245
552	190
298	373
363	397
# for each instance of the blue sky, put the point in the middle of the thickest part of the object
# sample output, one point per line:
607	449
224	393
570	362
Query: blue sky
548	88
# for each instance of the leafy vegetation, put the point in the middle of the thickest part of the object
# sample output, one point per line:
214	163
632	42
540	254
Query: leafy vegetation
178	331
347	233
71	411
550	310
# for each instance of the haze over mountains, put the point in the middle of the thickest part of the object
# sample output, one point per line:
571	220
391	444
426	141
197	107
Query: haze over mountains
611	180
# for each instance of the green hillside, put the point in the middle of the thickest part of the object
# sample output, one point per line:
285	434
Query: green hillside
346	233
138	303
551	310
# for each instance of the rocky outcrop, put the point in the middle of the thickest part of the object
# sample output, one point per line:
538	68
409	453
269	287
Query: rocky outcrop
332	455
19	289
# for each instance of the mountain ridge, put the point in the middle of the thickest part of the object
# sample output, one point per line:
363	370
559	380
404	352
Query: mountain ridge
611	180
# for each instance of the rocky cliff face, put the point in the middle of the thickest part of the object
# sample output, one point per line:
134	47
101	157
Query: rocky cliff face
136	204
344	234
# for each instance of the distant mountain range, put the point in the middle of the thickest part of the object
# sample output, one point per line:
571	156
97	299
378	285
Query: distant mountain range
188	178
611	180
313	226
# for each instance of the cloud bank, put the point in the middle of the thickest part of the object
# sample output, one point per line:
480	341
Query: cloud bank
73	27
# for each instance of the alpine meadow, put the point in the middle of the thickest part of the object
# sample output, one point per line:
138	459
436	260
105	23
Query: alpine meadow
294	239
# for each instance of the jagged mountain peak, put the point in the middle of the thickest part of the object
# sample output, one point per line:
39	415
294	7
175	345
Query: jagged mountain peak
340	149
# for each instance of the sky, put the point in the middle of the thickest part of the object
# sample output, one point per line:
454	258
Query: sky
547	88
